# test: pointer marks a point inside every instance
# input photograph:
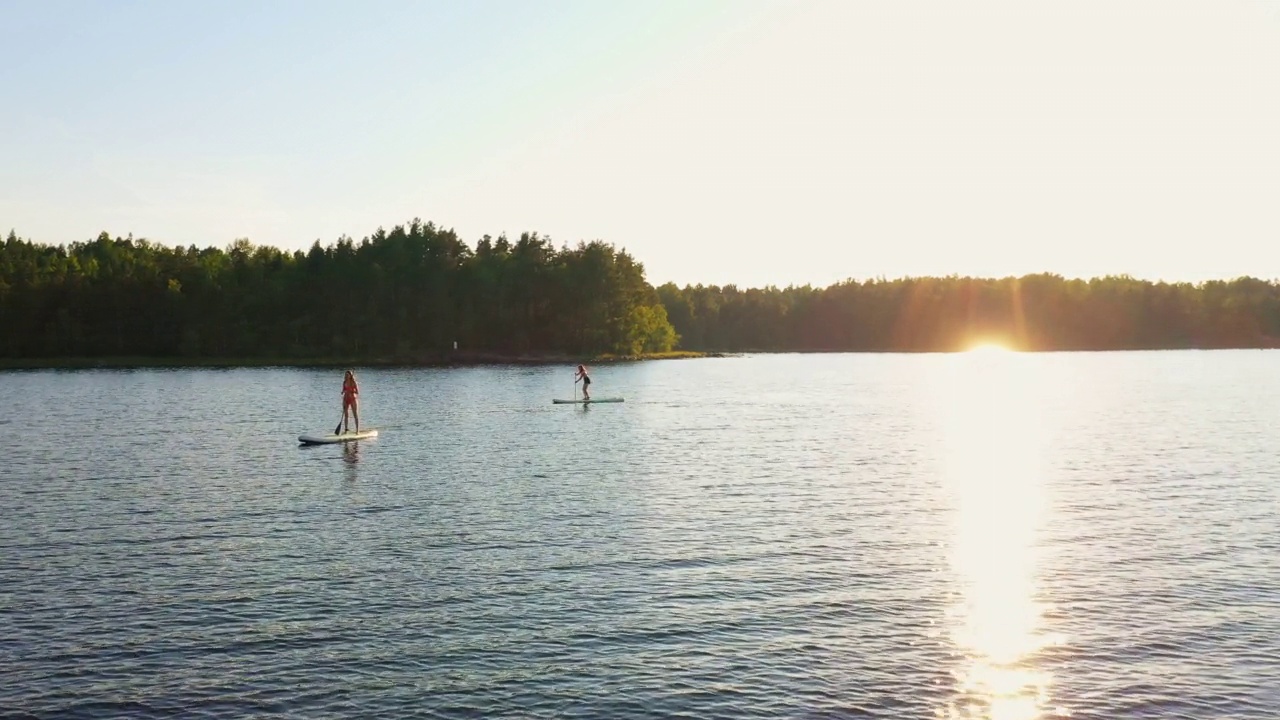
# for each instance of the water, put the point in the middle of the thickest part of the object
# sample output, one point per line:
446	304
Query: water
984	535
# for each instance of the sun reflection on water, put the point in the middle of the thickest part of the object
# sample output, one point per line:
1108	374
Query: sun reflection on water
992	445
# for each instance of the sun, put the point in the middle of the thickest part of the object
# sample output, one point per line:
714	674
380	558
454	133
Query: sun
987	347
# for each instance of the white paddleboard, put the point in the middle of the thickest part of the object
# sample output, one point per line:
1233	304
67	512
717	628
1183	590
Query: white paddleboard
344	437
559	401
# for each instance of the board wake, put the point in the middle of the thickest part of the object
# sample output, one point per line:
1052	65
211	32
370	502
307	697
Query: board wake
561	401
344	437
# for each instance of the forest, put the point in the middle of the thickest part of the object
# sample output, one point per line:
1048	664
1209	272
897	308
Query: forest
405	295
1034	313
408	294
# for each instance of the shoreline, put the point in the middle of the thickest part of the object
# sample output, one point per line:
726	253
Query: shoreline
458	359
461	359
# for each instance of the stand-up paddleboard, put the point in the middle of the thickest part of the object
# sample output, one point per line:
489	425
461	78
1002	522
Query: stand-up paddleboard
580	401
344	437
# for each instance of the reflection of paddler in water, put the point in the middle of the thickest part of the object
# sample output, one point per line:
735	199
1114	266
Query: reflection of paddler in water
350	394
351	453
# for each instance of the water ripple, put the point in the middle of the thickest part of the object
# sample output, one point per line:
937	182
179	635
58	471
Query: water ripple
777	536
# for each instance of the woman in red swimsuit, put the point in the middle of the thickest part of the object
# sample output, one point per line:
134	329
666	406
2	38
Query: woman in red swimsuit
350	391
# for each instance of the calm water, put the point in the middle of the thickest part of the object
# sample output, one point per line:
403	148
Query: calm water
935	536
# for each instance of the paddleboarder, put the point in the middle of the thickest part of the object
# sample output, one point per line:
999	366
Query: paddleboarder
586	381
350	392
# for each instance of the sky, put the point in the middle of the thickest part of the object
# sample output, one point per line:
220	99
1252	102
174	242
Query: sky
718	141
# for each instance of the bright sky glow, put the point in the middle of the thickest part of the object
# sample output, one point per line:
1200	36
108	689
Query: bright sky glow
720	141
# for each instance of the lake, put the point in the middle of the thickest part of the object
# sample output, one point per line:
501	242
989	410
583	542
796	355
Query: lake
980	535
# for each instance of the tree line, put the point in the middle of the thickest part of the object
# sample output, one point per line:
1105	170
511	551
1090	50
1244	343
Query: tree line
407	294
410	293
1033	312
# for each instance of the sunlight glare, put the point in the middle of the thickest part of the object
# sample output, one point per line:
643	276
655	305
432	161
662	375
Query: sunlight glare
992	446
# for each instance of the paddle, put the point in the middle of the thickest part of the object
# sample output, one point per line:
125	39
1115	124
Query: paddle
339	425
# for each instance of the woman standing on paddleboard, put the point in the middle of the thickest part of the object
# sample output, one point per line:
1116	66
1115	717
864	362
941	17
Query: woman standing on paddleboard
350	391
586	381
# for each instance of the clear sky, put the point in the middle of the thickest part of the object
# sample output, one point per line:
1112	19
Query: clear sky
733	141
